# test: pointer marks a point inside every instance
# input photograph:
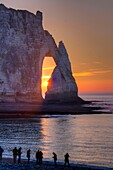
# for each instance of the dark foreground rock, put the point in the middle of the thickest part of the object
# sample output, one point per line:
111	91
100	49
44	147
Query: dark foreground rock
15	110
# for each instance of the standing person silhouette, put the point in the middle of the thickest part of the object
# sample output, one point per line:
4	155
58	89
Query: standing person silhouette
66	156
37	157
19	154
40	157
28	154
15	152
55	158
1	152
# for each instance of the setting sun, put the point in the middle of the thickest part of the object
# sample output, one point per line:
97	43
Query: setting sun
45	83
48	67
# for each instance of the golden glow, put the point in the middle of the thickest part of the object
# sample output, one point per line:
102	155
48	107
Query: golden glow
84	83
48	67
45	77
100	86
45	83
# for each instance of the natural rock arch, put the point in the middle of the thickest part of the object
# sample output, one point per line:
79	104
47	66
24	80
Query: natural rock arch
61	59
24	44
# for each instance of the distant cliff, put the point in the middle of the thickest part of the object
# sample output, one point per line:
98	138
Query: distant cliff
23	45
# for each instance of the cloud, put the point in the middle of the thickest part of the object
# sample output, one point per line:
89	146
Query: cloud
91	73
46	77
82	74
97	62
83	63
48	68
85	74
102	71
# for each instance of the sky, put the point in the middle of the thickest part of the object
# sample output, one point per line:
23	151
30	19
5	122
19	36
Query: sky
86	28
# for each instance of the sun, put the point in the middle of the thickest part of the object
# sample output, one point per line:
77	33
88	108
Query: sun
45	83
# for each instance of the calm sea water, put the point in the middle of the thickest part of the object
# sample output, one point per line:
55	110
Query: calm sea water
87	138
101	100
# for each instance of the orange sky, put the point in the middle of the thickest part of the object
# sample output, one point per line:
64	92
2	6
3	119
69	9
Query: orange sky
86	28
85	80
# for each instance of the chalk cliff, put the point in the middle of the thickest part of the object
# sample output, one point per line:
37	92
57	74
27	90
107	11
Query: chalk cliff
23	45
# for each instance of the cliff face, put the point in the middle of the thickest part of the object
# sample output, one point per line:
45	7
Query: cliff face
21	37
23	45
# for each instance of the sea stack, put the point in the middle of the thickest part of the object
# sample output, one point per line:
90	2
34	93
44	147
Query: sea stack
62	86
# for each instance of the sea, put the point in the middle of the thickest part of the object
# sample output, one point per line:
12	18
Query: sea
87	138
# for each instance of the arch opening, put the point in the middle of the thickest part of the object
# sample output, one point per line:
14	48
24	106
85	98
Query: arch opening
47	69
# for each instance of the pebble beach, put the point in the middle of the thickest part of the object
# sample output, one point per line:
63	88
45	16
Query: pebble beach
7	164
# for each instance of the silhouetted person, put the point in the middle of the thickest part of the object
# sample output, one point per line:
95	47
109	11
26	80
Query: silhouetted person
15	152
19	154
55	158
1	151
28	155
66	159
37	157
40	157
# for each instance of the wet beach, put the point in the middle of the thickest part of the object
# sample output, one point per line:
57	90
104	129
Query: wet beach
7	164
